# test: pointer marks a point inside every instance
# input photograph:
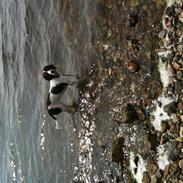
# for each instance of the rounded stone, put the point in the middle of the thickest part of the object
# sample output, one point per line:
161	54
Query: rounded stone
170	108
176	66
181	17
133	67
180	106
154	179
181	132
181	163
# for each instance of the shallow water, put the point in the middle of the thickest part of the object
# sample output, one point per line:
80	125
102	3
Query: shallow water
32	34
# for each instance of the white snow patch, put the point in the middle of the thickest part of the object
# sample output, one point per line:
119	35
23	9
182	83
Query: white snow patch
162	157
137	168
159	114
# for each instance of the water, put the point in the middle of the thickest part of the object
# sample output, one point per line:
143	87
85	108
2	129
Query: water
32	34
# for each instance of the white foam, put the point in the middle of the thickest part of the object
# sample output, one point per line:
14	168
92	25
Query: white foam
162	159
171	2
140	167
159	114
165	73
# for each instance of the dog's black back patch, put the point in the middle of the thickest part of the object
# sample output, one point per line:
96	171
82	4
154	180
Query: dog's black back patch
54	111
60	88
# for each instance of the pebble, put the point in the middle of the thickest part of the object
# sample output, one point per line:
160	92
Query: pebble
175	118
181	163
133	67
179	75
180	106
181	17
176	66
178	87
180	48
173	129
162	140
105	47
116	152
154	179
170	108
181	132
152	169
146	178
166	172
173	151
181	117
164	127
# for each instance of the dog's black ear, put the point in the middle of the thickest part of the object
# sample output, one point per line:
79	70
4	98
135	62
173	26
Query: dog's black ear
47	76
49	67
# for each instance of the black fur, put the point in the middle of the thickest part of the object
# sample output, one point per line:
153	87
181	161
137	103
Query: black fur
60	88
49	67
54	111
49	76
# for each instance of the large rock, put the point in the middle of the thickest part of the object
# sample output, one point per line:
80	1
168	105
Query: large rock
170	108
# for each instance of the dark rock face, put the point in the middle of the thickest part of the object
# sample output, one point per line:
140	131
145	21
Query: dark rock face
173	151
117	150
170	108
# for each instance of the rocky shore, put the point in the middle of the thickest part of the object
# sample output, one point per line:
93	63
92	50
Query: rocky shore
136	91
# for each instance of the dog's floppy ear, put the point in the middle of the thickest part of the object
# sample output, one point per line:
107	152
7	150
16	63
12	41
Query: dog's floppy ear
49	67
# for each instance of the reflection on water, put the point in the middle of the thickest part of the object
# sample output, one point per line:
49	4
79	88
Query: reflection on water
32	34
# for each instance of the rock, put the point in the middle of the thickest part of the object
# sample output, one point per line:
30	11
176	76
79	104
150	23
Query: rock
153	142
181	163
162	34
174	169
164	138
173	129
175	118
173	151
176	66
140	114
133	67
181	118
132	19
154	179
180	61
180	146
170	108
179	75
116	152
178	87
166	172
152	169
170	11
179	48
164	127
180	106
105	47
181	132
181	17
146	178
129	114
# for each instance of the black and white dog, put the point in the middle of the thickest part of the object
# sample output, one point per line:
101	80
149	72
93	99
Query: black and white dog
58	85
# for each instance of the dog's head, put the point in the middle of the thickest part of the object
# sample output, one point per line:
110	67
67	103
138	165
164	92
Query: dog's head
49	72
